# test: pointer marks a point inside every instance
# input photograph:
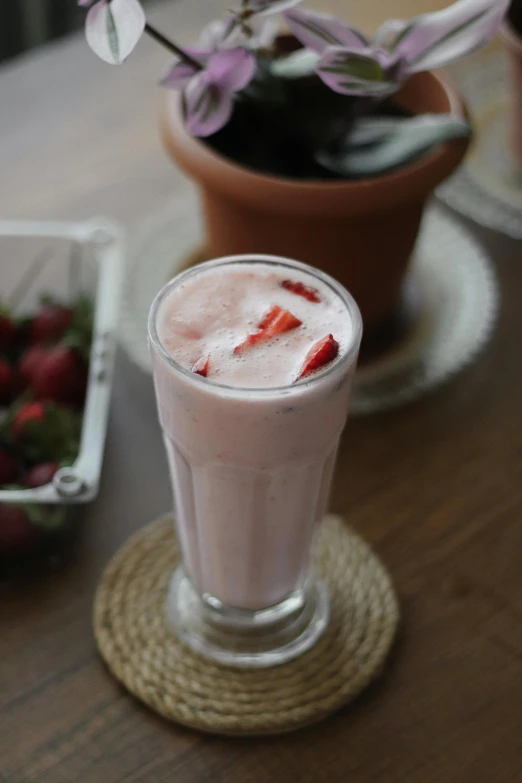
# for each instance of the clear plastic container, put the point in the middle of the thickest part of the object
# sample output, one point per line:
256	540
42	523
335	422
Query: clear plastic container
64	260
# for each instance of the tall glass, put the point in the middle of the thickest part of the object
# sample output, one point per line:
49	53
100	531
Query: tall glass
251	472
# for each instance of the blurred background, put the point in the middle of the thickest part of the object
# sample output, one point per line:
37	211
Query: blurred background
25	24
28	23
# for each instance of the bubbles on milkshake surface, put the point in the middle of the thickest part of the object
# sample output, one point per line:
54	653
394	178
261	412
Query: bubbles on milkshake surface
222	306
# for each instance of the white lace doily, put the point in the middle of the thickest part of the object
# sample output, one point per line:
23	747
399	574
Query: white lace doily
451	273
487	187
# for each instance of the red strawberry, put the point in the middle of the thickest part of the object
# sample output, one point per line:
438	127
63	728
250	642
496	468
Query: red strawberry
7	331
30	414
50	324
61	376
41	474
8	468
17	534
312	294
46	432
201	366
276	321
29	363
6	382
322	352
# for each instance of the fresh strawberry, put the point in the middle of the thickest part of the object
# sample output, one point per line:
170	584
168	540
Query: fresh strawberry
7	331
41	474
27	417
61	376
51	323
321	353
8	468
6	382
29	363
46	432
276	321
202	365
17	534
312	294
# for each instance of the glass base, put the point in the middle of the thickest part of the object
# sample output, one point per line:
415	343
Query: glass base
239	637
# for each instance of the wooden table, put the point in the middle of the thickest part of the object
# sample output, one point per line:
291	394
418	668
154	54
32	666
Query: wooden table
436	487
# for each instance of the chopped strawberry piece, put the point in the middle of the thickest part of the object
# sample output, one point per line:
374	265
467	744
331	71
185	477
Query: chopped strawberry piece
250	341
276	321
202	365
312	294
321	353
269	318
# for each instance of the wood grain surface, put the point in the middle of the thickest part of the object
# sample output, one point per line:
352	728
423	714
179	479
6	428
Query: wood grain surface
436	487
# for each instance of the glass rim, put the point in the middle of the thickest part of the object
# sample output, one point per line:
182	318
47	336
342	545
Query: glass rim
256	258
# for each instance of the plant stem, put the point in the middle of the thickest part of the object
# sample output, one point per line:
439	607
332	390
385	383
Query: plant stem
172	47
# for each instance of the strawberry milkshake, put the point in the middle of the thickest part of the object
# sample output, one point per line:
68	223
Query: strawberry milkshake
253	359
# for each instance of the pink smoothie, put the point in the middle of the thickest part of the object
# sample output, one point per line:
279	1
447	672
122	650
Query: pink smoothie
251	452
212	313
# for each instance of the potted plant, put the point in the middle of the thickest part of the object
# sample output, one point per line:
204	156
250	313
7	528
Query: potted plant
512	35
322	145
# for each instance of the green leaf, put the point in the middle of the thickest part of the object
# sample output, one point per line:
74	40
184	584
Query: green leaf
297	65
112	34
356	66
376	145
368	89
372	130
79	334
449	36
393	44
55	439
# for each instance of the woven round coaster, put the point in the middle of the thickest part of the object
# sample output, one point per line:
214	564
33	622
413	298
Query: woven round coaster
140	648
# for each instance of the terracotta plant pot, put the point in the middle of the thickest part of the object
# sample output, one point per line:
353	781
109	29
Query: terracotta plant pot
513	43
361	233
